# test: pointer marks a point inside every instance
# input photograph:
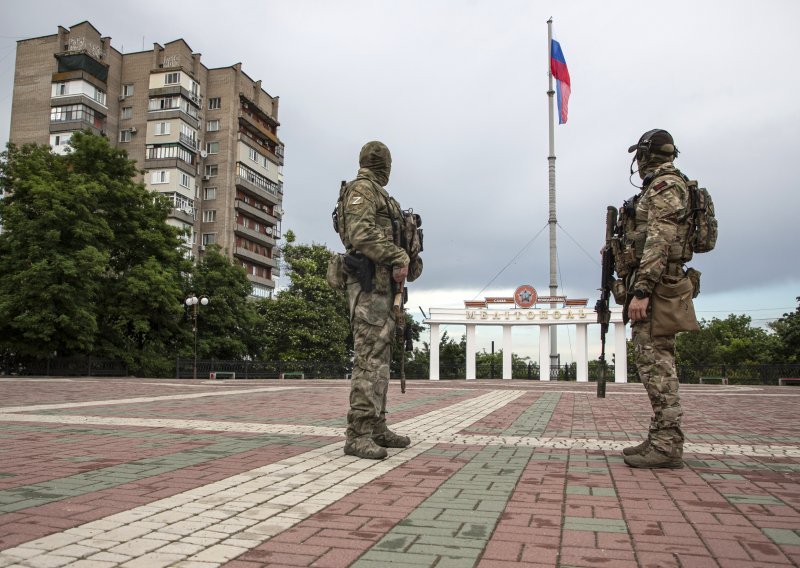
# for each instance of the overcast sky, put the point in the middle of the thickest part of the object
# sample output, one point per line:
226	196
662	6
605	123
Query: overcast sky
457	90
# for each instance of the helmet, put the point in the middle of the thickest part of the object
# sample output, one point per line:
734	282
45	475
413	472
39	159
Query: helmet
656	141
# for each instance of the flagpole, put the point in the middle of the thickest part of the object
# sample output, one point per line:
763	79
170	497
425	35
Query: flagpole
551	170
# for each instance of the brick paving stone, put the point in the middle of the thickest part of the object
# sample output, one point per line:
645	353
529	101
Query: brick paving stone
198	467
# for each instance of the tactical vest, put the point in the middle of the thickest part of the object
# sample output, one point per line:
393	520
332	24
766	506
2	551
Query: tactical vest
401	227
632	227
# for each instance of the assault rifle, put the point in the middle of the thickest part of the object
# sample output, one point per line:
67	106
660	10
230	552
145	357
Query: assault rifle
601	307
402	329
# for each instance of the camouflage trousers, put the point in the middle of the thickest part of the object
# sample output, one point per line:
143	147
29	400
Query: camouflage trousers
655	362
373	324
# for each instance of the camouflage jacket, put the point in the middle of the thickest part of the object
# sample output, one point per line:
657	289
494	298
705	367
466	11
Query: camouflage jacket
368	220
662	213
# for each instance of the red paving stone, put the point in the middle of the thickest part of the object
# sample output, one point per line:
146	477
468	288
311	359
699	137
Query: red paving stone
698	516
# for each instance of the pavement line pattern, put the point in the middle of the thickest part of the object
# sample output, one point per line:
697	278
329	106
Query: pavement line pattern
36	494
138	400
215	523
534	420
454	524
433	427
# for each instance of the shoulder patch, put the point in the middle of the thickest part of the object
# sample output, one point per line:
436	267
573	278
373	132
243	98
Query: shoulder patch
357	200
660	185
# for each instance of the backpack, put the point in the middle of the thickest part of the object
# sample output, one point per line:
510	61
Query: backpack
703	221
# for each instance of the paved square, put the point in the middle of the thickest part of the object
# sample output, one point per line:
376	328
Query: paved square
135	472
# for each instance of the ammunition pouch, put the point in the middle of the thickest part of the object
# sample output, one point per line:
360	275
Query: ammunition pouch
618	290
336	277
361	268
672	306
694	277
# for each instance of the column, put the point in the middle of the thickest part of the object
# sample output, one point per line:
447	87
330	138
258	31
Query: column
620	354
434	370
471	375
544	352
507	348
582	361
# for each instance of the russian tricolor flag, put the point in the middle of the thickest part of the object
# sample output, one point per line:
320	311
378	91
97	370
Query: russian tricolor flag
558	67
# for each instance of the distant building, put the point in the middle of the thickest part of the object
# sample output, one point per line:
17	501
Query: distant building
206	138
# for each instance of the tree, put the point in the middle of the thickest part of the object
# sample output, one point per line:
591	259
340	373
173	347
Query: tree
227	326
88	265
52	257
732	341
787	332
308	321
139	305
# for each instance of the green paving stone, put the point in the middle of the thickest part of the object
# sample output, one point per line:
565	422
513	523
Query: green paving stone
422	523
3	475
717	476
453	551
603	492
594	524
449	542
783	536
395	559
753	499
18	498
413	530
578	490
395	542
585	469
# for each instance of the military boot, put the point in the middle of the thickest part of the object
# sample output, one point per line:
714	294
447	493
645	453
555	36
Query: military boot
388	439
364	447
637	449
651	458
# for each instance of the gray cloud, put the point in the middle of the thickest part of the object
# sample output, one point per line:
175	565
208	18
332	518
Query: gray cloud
457	91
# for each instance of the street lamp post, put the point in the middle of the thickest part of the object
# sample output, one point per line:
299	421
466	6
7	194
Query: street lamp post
194	302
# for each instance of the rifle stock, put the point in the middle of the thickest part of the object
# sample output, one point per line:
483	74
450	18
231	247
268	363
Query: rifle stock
602	306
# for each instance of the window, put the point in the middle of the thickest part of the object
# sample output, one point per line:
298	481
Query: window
209	216
61	89
195	88
164	103
214	103
126	113
125	136
127	90
265	162
210	193
253	154
162	128
185	180
212	170
165	151
159	176
256	227
172	78
209	238
212	147
212	125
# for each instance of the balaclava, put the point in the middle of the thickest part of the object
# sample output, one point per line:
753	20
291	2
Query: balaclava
375	157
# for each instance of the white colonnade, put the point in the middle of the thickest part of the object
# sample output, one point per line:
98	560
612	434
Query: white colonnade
545	320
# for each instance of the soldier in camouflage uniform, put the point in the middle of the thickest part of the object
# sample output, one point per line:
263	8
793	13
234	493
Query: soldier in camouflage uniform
656	234
368	211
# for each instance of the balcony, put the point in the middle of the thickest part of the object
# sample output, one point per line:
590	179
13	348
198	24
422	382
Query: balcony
81	61
168	163
269	283
257	258
257	190
186	215
254	236
166	114
176	90
255	212
188	141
